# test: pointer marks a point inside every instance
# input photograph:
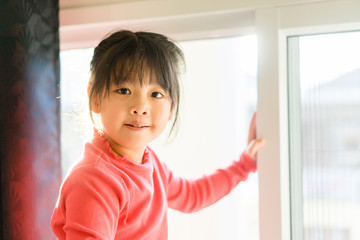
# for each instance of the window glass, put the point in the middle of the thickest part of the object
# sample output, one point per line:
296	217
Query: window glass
218	98
324	123
76	125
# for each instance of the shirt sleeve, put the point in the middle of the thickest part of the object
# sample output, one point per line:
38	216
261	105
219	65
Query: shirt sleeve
193	195
88	207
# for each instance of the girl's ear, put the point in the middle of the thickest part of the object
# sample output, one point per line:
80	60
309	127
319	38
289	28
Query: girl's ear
95	104
173	108
171	112
89	90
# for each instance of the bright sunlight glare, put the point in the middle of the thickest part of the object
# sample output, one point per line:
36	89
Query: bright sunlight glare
327	56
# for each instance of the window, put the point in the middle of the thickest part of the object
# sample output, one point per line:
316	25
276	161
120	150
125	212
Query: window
325	135
219	97
273	26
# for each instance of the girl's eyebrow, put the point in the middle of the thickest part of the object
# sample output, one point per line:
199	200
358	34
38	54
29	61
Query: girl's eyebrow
122	83
155	84
134	83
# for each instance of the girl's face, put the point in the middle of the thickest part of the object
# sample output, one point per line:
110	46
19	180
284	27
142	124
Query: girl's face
133	115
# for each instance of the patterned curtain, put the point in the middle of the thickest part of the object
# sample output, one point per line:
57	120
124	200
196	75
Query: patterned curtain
29	117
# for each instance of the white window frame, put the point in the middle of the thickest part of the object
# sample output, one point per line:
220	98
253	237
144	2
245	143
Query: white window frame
273	26
181	27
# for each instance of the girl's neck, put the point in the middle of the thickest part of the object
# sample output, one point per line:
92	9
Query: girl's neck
133	156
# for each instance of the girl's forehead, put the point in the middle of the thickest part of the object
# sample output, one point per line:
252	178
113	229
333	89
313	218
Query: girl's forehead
139	73
133	73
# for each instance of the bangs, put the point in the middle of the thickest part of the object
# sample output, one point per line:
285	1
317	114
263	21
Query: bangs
140	61
139	66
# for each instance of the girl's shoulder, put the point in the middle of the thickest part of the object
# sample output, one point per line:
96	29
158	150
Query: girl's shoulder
94	171
92	181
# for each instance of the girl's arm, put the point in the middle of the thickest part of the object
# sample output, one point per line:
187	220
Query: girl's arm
193	195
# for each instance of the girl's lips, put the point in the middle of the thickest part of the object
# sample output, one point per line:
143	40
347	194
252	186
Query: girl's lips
136	127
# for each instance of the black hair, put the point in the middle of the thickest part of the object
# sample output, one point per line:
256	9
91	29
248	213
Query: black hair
125	56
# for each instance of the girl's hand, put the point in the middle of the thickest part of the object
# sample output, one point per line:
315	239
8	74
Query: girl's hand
253	143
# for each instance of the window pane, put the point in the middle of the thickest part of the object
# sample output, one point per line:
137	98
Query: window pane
218	99
76	125
324	81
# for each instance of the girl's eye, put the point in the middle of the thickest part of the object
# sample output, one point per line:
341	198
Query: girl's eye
157	95
123	91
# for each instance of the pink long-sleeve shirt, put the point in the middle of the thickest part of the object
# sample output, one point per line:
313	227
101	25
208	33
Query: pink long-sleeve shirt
108	197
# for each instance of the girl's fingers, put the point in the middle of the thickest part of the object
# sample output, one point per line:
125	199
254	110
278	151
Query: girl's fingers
253	143
254	146
252	129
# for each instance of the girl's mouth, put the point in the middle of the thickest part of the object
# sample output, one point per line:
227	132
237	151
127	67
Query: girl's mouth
136	127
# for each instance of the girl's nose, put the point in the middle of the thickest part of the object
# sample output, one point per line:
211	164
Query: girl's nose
140	109
137	112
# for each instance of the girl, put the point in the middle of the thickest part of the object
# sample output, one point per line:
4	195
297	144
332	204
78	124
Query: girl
120	189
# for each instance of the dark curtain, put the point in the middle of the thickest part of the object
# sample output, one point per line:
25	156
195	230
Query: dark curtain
29	117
